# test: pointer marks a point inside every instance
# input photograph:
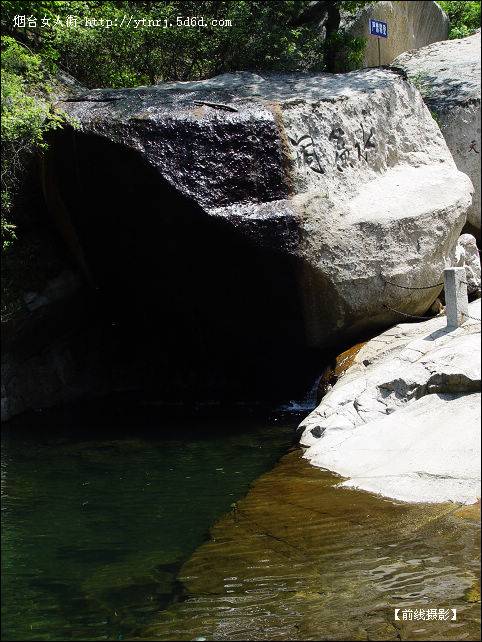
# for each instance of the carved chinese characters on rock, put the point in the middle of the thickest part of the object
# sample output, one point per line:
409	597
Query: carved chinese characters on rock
345	155
367	141
342	149
306	154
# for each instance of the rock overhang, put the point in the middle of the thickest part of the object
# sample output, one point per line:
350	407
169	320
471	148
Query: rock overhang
318	167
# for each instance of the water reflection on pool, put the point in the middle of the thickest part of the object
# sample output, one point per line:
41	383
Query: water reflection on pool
101	506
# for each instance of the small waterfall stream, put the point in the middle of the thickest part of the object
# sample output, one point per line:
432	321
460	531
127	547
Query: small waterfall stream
309	400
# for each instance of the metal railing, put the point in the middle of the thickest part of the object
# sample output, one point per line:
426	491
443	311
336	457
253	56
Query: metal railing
456	297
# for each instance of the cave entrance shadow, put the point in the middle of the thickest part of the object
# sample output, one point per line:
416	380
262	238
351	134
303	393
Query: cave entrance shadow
190	309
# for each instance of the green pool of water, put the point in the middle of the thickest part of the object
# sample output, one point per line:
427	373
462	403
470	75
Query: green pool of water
102	506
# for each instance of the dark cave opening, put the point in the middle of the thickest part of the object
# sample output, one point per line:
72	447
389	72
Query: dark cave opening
189	309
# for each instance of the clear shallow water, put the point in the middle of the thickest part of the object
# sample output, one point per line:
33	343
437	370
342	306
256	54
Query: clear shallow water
101	507
137	527
302	559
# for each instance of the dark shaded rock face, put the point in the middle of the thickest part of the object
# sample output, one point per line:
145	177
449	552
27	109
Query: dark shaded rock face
190	309
50	352
234	230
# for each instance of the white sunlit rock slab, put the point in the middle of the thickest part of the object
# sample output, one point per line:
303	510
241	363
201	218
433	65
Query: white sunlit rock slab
404	421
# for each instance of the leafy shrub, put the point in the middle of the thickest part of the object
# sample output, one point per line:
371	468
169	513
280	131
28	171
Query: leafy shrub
25	117
464	17
260	37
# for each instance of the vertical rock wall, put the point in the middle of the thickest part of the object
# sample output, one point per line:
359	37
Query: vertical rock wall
411	25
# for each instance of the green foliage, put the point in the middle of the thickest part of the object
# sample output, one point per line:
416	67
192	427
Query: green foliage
260	36
349	51
435	116
464	17
23	109
420	81
25	117
130	54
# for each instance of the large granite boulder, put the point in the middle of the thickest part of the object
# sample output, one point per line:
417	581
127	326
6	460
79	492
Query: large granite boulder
404	419
411	25
346	177
467	255
448	76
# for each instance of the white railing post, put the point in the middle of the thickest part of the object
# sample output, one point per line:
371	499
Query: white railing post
456	299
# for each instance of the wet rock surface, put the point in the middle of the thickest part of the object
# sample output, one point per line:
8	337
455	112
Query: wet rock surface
404	419
448	76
